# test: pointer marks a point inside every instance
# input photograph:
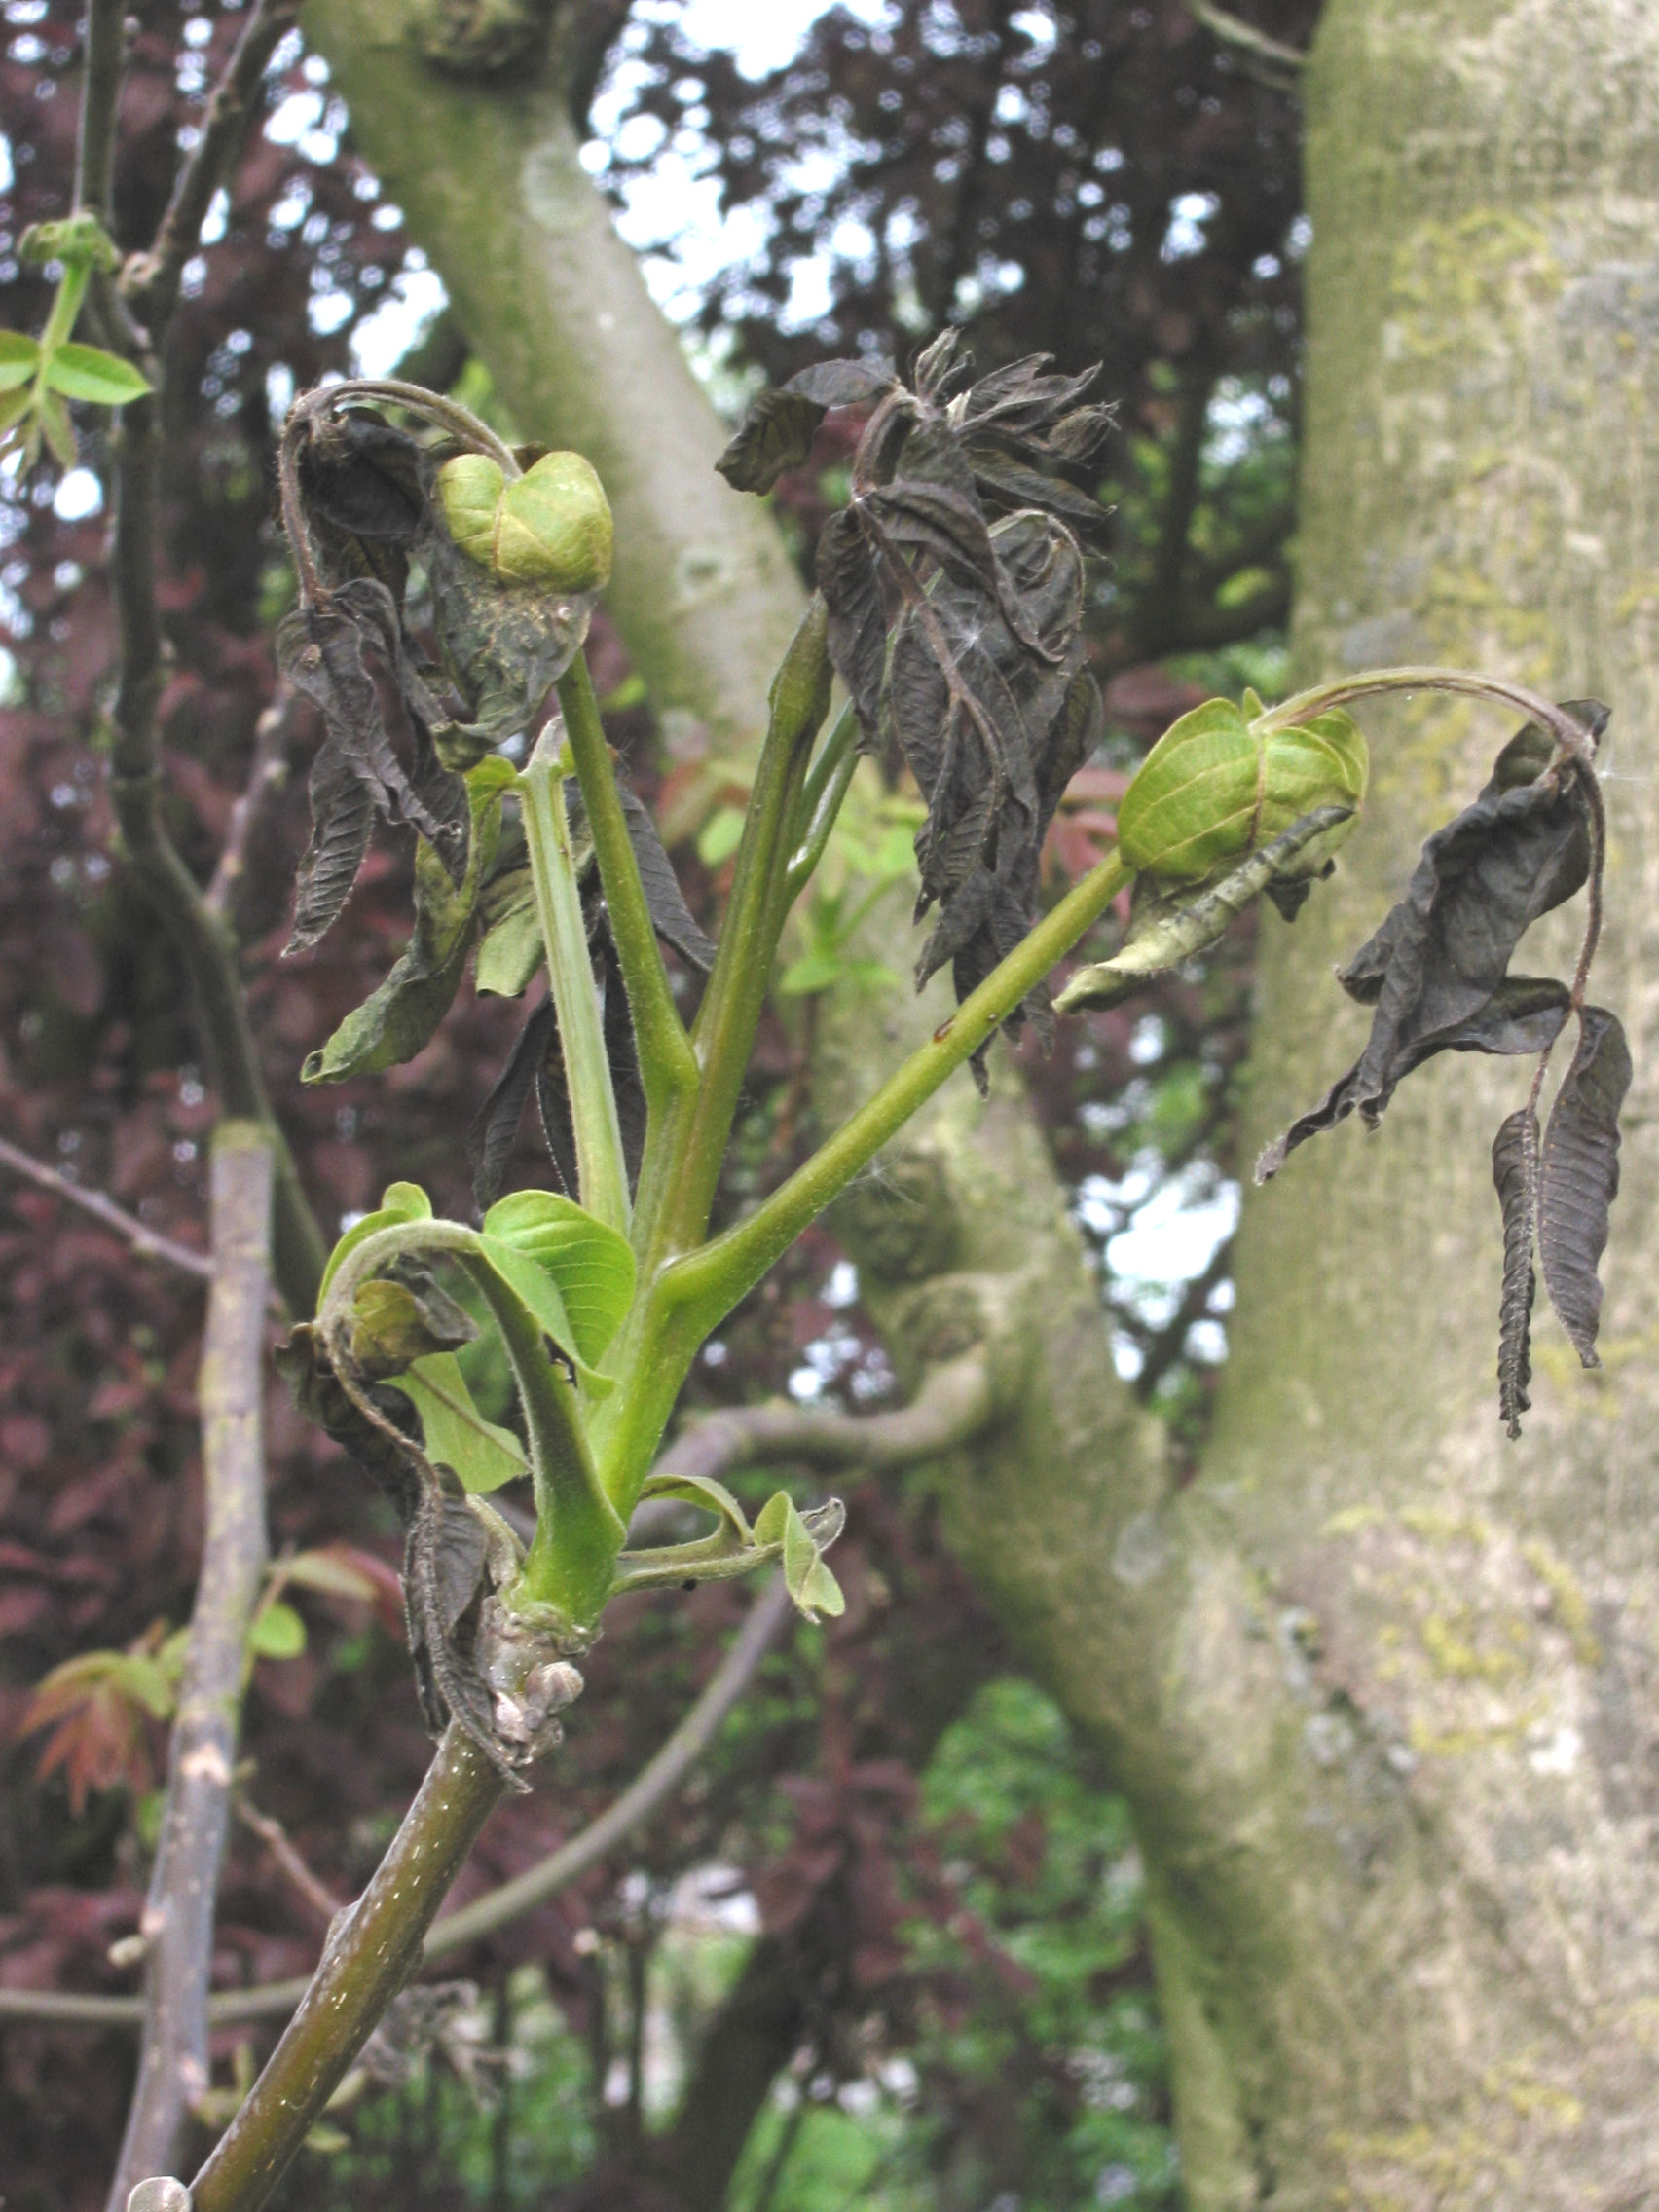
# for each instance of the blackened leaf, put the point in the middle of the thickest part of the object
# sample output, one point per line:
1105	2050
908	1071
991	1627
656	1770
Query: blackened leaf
504	645
1439	957
1021	397
938	364
1578	1175
850	578
553	1104
1012	484
345	653
1515	1173
397	1019
775	434
343	815
495	1126
843	384
934	520
362	477
622	1054
304	1365
671	918
1525	1014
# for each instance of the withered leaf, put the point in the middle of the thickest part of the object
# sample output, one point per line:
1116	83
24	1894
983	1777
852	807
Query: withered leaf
843	384
1578	1175
849	575
346	654
1514	1174
674	921
776	434
362	478
622	1053
1521	849
1525	1014
505	645
399	1017
495	1126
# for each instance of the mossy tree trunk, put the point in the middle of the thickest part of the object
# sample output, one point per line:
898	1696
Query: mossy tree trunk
1381	1685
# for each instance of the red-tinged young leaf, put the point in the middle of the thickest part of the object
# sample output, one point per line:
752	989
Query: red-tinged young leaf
1515	1173
1578	1175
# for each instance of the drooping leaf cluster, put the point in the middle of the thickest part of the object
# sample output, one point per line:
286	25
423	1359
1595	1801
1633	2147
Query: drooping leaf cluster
954	584
425	659
1437	973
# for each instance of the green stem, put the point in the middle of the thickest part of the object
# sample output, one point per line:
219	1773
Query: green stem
820	800
372	1952
1374	683
578	1532
706	1285
65	305
668	1066
601	1171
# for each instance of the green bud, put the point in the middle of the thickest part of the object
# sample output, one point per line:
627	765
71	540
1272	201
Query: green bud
1222	783
551	526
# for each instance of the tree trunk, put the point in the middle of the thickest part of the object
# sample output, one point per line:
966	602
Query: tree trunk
489	179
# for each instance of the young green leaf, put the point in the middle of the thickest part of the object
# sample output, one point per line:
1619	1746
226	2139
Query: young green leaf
400	1203
1578	1175
704	1491
394	1324
455	1434
1217	785
590	1264
803	1540
510	950
89	373
277	1632
19	358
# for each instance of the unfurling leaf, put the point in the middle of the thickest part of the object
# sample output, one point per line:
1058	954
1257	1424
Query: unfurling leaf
550	527
1578	1175
398	1018
1436	970
1514	1174
479	1453
803	1540
1220	783
394	1324
400	1203
1165	931
511	950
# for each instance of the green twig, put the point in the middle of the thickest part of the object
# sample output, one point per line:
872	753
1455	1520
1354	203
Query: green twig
601	1171
826	787
371	1954
668	1066
578	1532
707	1284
